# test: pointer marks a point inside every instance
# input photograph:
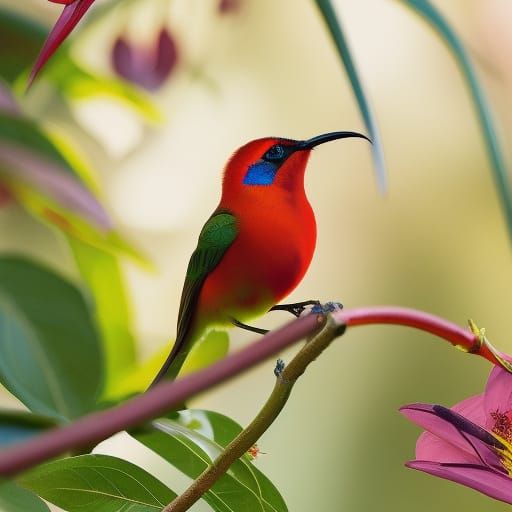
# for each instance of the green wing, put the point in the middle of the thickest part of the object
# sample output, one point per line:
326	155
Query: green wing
215	238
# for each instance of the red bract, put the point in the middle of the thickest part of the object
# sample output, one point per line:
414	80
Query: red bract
71	15
147	67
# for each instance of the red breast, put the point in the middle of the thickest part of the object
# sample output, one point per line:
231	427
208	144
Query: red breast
276	233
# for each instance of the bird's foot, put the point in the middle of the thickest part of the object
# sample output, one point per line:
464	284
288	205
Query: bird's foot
297	309
327	307
308	306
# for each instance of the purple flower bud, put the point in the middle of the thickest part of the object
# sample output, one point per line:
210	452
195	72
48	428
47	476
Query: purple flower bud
227	6
146	67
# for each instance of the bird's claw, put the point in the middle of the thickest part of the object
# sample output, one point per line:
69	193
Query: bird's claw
327	307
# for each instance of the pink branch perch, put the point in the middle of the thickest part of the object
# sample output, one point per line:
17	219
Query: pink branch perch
457	336
98	426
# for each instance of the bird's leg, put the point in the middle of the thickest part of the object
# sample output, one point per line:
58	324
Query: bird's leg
296	308
257	330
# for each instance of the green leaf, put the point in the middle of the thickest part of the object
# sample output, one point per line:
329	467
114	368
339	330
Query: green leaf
14	498
37	173
50	356
192	441
24	132
20	40
98	483
483	111
213	425
211	348
32	166
16	426
336	31
102	273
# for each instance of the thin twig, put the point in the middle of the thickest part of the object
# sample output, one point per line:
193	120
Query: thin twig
98	426
270	411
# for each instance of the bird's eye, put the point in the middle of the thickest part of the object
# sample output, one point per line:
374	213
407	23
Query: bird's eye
274	153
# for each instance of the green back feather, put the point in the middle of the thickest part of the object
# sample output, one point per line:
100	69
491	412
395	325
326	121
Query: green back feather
215	238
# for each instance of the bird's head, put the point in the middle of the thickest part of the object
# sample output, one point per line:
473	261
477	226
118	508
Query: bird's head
274	162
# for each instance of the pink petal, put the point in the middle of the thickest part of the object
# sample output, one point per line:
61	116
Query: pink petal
473	409
455	430
433	448
498	394
491	483
67	21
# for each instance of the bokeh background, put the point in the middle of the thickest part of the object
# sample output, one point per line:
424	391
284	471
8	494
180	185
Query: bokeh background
435	241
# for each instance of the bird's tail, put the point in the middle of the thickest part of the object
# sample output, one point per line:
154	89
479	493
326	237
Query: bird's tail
174	361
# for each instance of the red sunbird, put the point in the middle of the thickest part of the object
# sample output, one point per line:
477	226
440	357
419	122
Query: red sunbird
256	246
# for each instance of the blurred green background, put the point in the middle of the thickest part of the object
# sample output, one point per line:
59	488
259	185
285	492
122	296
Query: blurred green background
436	241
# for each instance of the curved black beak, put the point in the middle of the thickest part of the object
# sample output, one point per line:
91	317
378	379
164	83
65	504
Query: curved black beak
327	137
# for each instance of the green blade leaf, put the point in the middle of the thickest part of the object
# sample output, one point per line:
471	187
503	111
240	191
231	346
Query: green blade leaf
102	273
336	31
192	440
483	111
48	179
98	483
14	498
16	426
50	356
20	40
20	131
30	161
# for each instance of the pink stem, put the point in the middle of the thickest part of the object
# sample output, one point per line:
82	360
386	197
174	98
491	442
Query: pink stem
98	426
457	336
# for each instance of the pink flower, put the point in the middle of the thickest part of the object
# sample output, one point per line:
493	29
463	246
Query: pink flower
147	67
471	443
73	12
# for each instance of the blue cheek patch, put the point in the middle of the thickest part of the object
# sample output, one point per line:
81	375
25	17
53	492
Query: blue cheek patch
261	173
